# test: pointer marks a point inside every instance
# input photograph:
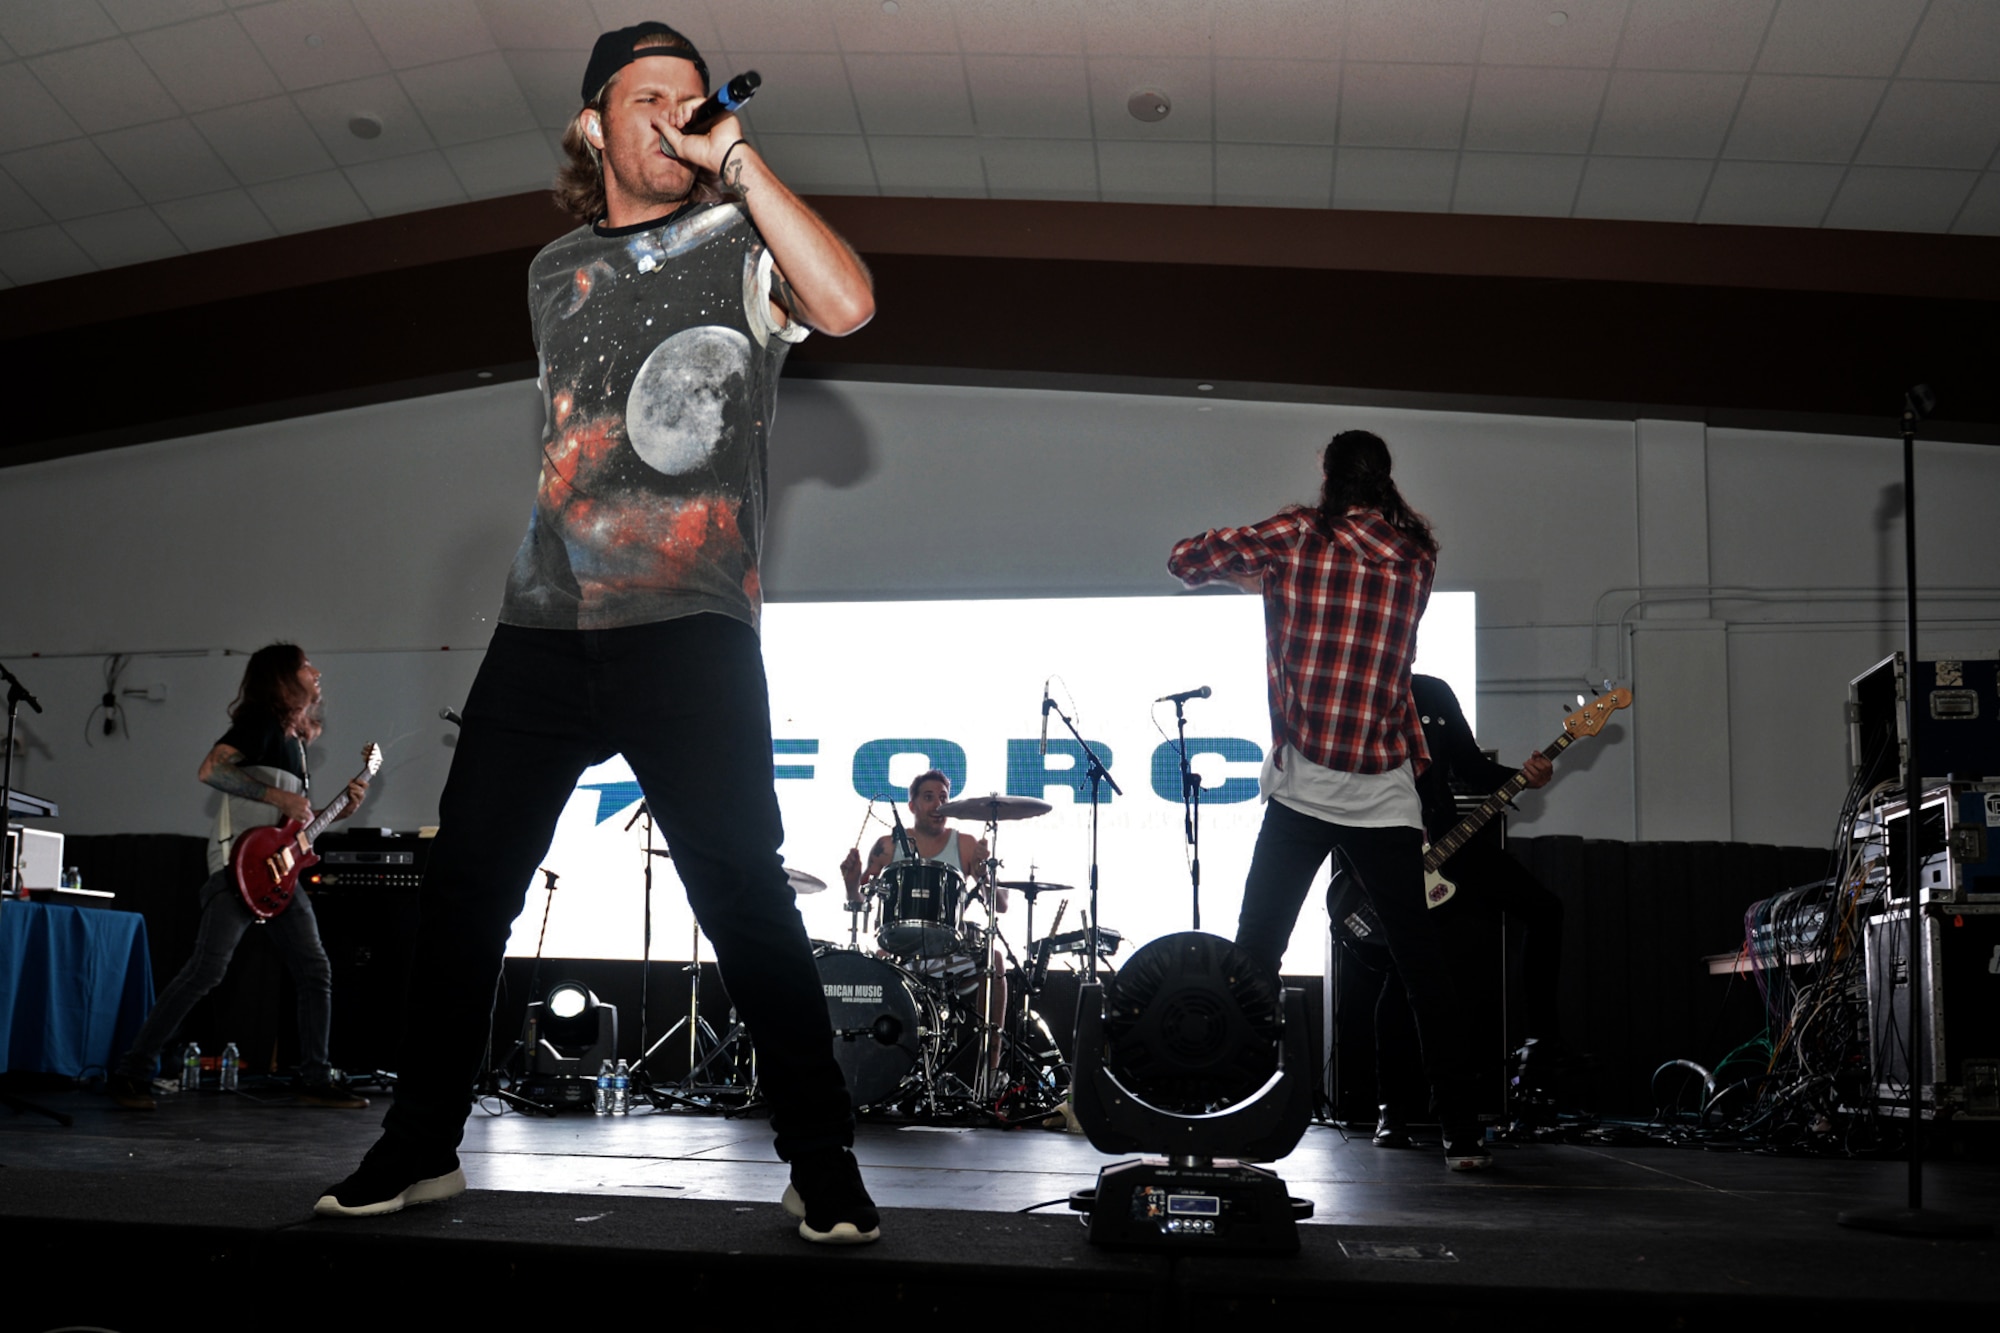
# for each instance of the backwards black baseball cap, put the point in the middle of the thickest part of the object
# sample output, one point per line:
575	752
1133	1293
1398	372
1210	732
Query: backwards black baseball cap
615	50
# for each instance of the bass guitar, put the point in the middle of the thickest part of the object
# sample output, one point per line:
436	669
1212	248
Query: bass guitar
265	862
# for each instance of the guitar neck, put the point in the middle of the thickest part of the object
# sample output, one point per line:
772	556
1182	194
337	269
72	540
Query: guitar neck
1444	848
320	822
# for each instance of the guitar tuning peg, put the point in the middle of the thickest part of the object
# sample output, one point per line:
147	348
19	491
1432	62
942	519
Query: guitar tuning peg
1581	701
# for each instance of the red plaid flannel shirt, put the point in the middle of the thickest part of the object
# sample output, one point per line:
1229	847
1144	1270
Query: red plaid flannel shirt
1340	626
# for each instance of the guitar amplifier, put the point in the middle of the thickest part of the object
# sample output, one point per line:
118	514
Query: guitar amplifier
369	859
364	892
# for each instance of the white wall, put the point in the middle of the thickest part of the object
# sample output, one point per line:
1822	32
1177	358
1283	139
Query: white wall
379	538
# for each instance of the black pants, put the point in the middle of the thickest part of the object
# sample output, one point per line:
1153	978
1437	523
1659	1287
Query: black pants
685	702
1489	882
1389	862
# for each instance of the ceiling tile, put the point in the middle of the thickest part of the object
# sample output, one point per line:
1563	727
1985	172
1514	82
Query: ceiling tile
773	25
1979	217
1934	125
41	254
917	25
329	110
17	209
1518	32
1273	175
1769	194
422	34
1645	189
70	180
1838	36
312	42
688	19
1277	101
1788	118
1521	184
406	184
1516	109
544	25
1900	199
1404	106
208	64
548	79
1435	32
1156	173
470	99
1040	168
212	221
1301	29
515	164
1113	80
1030	97
1720	35
802	94
263	141
1020	27
928	167
133	236
28	115
1663	113
1959	39
820	163
1145	28
169	160
104	86
139	15
1399	180
307	203
919	94
34	26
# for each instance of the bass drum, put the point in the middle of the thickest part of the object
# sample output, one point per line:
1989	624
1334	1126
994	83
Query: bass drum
884	1022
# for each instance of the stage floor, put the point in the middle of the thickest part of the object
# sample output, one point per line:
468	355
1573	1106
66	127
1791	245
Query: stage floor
1657	1233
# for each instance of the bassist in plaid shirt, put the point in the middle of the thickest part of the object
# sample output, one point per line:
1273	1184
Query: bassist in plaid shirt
1344	585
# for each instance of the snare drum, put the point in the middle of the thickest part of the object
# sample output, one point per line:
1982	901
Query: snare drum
883	1019
922	906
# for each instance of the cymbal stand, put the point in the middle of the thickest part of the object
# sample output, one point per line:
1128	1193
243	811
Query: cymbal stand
699	1032
982	1077
1099	775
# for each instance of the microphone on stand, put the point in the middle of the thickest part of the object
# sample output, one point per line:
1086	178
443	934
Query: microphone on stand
1045	719
450	715
1202	693
902	839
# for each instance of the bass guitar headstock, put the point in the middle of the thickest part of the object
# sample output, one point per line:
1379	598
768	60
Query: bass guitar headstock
1590	719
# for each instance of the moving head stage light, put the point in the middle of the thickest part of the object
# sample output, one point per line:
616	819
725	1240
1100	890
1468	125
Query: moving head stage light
1192	1050
569	1032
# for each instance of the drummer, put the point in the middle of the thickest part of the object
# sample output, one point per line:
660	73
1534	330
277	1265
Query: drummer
935	840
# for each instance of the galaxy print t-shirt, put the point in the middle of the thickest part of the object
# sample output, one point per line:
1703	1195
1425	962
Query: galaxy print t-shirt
659	373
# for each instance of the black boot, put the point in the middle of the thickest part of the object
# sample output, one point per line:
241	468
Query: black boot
1390	1131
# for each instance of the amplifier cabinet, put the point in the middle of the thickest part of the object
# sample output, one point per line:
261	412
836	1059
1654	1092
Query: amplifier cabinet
1960	991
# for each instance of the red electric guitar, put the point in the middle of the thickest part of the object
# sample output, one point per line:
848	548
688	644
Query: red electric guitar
266	861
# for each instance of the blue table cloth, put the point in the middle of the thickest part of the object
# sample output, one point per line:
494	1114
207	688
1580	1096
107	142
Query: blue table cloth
75	984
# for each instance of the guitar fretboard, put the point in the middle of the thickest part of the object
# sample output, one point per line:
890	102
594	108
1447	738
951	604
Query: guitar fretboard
1443	849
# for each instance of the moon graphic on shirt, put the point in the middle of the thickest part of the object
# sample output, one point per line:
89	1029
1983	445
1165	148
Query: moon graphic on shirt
677	411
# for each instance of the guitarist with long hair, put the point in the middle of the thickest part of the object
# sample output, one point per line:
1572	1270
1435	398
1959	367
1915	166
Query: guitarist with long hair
259	765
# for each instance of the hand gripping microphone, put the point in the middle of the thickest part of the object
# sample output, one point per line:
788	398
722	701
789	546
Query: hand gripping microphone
722	101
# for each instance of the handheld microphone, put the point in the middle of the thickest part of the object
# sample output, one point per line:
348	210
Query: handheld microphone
450	715
723	101
1184	696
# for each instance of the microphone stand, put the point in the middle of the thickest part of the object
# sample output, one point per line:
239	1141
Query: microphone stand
1191	811
17	694
1099	774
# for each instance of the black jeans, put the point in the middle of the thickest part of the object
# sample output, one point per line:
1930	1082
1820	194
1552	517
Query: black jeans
1390	865
685	702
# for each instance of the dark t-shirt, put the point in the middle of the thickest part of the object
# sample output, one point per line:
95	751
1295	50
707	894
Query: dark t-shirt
263	741
659	373
1456	760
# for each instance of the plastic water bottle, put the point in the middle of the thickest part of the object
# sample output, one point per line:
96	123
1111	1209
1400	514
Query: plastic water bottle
603	1103
621	1089
191	1068
231	1059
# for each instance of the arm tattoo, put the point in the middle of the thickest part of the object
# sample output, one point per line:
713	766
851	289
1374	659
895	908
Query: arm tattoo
732	177
781	292
227	777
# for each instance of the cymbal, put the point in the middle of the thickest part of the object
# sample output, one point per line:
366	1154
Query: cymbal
803	883
1031	887
994	807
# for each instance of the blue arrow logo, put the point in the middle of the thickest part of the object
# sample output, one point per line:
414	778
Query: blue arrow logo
613	798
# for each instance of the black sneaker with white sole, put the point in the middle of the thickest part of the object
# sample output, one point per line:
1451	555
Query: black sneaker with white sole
385	1183
831	1203
1466	1152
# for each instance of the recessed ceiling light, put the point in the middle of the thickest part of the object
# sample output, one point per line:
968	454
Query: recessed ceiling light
1557	18
890	7
312	39
486	374
1148	105
1206	388
365	127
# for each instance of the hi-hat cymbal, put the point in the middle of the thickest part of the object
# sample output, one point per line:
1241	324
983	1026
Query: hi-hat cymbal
803	883
994	807
1029	888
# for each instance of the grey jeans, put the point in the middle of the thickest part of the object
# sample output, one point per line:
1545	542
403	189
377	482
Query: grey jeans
224	918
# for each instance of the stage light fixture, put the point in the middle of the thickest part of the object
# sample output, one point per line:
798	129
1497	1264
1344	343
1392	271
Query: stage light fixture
569	1032
1196	1051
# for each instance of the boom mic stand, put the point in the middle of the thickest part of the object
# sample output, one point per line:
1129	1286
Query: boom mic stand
488	1084
1098	774
1191	810
17	694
